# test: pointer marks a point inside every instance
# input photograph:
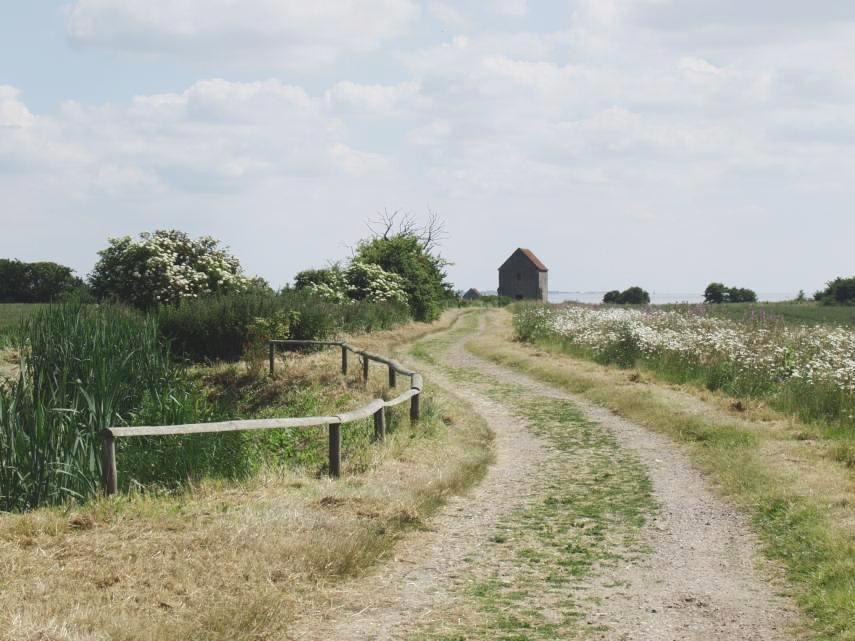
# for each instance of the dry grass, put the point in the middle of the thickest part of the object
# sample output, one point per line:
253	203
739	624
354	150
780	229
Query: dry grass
798	485
234	560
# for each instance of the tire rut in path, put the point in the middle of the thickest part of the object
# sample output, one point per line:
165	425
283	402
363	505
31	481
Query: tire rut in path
703	581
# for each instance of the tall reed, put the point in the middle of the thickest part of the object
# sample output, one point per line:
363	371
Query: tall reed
82	369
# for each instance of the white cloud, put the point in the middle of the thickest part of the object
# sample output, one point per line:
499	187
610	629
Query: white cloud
275	32
215	135
515	8
381	99
14	113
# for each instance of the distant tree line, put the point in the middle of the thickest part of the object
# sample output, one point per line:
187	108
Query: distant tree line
41	282
717	293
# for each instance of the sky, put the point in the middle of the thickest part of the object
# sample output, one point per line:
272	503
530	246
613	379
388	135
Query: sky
660	143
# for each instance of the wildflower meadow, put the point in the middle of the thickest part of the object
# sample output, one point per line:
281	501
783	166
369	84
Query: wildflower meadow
805	370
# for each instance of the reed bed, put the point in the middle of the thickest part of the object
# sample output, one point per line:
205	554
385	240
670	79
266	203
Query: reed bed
81	369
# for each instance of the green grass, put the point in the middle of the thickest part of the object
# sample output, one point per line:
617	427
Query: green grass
807	313
11	315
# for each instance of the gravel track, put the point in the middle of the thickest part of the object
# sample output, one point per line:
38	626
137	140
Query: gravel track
702	581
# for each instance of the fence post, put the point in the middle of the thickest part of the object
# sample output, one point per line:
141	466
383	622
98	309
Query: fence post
109	479
272	355
335	450
365	368
380	424
393	378
415	409
344	360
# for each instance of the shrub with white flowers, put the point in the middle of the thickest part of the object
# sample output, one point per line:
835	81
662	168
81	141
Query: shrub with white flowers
165	267
372	283
358	281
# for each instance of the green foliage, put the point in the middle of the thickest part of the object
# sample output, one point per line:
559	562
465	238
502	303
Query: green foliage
42	282
717	293
358	281
630	296
624	351
423	273
164	267
840	291
311	278
223	327
83	369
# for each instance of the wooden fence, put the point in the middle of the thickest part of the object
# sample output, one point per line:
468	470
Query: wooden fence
376	408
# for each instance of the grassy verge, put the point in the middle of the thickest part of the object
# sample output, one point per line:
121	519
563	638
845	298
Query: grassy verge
781	471
238	559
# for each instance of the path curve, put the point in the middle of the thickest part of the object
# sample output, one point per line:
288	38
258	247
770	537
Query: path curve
703	581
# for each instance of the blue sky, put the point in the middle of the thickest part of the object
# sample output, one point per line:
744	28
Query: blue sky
665	143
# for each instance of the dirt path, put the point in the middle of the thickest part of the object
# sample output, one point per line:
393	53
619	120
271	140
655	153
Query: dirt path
702	579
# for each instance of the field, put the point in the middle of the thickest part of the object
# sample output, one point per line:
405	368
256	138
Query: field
807	313
11	315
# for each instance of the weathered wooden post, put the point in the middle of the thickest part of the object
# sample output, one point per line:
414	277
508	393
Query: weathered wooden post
335	450
380	424
415	407
393	376
344	360
365	367
271	354
109	478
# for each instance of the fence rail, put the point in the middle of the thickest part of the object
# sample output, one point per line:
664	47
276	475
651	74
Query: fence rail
375	408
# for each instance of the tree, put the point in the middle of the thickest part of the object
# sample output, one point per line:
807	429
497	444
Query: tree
840	291
407	249
164	267
630	296
715	293
741	295
41	282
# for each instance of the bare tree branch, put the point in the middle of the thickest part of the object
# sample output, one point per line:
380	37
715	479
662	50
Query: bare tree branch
430	234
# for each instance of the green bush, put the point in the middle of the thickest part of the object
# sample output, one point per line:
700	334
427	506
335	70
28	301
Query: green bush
223	327
629	296
717	293
840	291
423	273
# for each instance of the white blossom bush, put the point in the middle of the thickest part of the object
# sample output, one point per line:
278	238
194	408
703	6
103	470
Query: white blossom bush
372	283
360	282
165	267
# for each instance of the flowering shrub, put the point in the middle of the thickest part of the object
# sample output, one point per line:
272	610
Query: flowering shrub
165	267
359	282
742	357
